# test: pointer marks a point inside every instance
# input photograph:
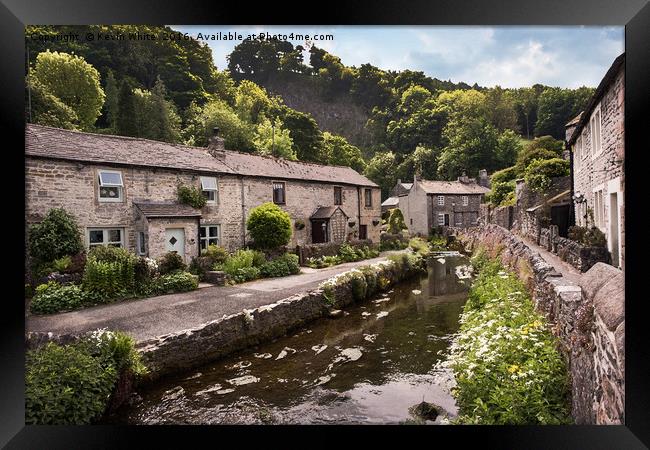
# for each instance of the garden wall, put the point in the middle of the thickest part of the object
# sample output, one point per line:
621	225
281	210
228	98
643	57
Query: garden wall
588	319
307	251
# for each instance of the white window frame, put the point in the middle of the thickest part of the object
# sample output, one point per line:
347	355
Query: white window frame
596	132
212	191
209	238
141	243
441	219
120	197
599	207
105	233
441	200
465	200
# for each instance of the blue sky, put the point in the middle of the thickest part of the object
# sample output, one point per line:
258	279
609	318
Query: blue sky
509	56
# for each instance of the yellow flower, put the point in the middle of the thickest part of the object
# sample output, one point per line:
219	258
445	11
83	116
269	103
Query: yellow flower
513	368
524	331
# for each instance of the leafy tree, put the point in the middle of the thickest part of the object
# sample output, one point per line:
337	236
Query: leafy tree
238	134
412	99
111	106
500	109
72	80
396	221
557	106
304	132
47	109
155	117
256	59
340	152
462	104
508	147
126	120
544	147
380	169
370	87
525	102
539	173
423	161
56	236
271	138
504	175
500	191
269	226
251	102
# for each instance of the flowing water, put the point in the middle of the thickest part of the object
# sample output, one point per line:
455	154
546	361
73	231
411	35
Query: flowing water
369	366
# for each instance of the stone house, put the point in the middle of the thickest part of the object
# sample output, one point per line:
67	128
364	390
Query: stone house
393	199
441	203
123	192
597	141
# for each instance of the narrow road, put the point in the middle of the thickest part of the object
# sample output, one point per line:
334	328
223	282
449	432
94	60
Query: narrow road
150	317
567	270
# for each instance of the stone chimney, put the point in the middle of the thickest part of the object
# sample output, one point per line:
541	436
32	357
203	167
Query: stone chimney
463	178
216	145
483	179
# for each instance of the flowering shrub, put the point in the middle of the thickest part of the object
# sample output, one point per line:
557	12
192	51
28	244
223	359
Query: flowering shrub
506	363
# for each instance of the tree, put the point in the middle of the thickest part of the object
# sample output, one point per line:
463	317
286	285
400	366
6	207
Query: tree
56	236
380	169
304	132
508	147
556	107
340	152
47	109
111	106
238	134
154	116
126	120
539	173
370	87
396	221
500	109
269	226
271	138
251	102
72	80
423	161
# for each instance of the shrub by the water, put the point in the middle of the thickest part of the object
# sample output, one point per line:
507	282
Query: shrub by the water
506	363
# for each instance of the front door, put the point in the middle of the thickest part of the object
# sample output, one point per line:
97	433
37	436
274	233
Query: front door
175	241
319	231
363	232
446	220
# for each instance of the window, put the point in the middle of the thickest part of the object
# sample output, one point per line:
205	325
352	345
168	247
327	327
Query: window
209	234
110	186
141	247
596	146
441	219
210	189
599	209
338	195
279	197
465	200
441	200
368	195
113	237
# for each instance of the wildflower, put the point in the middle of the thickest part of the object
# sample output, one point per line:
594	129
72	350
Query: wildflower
513	368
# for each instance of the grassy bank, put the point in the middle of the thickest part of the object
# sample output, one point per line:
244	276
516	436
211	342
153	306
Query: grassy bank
505	360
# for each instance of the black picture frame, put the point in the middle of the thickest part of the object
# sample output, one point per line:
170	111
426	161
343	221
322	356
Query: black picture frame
634	14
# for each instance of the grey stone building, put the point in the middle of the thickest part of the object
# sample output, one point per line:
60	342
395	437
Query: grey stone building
123	192
441	203
597	141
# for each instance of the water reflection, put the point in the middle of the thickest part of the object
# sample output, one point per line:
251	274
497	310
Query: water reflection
368	366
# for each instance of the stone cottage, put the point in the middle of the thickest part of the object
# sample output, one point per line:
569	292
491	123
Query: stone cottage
441	203
123	192
597	141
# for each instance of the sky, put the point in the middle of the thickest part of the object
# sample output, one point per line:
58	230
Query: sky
508	56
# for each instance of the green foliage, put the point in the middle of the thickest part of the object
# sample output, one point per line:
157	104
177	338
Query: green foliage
192	196
170	262
539	173
307	138
53	297
237	133
587	236
420	246
271	138
154	117
338	151
56	236
109	272
175	282
62	264
500	191
504	175
282	266
505	361
269	226
380	170
65	386
73	81
72	384
200	265
393	243
47	109
557	106
217	254
396	221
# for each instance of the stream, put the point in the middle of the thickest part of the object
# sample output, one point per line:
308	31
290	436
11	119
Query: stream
369	366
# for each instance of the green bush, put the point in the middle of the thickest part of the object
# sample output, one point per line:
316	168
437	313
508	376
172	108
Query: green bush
259	258
396	221
505	361
282	266
539	173
145	269
239	265
53	297
175	282
244	274
419	245
269	226
200	265
499	192
62	264
347	253
192	196
170	262
64	385
55	237
504	175
217	254
589	237
110	272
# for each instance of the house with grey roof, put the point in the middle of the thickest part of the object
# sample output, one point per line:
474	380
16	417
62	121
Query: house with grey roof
596	139
123	192
441	203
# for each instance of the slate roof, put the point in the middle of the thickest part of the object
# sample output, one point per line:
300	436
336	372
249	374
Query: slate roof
152	209
57	143
451	187
390	201
325	212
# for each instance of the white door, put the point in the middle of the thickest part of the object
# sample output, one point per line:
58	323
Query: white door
175	240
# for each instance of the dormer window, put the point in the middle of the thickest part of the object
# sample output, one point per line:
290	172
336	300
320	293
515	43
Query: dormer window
210	189
110	186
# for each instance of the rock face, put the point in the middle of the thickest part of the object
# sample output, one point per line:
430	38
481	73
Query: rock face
589	320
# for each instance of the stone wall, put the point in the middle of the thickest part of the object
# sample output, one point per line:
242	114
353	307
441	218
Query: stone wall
327	249
579	256
587	318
